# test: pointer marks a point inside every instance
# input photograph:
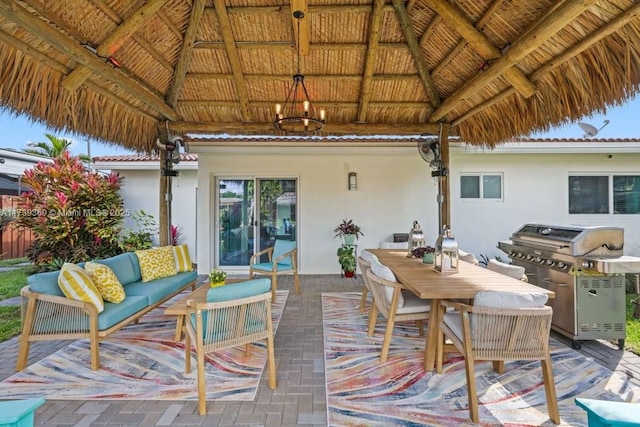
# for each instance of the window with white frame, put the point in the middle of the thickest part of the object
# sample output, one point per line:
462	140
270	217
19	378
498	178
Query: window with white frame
481	186
604	194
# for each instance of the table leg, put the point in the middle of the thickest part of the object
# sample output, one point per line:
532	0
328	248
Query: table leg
431	346
179	326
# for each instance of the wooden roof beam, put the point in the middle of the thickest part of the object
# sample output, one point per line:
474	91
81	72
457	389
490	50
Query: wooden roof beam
538	34
23	18
342	128
614	25
334	104
302	45
430	29
319	77
488	14
370	60
114	41
416	52
480	44
234	59
184	58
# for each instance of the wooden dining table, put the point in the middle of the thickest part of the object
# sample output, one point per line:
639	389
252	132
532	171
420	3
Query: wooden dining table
427	283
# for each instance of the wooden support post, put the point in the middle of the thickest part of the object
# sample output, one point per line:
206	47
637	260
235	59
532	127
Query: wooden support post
446	188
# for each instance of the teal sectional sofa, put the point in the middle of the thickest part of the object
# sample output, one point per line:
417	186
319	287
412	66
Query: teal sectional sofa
48	315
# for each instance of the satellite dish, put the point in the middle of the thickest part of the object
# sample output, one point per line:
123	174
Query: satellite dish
589	130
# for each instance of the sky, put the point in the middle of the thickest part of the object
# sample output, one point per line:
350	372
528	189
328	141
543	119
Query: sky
19	131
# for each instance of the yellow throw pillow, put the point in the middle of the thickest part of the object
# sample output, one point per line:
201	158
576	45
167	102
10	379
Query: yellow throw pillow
156	263
106	282
182	258
76	284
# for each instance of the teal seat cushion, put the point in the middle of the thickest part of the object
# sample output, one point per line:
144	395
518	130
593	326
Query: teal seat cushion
268	266
121	266
156	290
280	248
239	290
114	313
137	273
19	413
45	283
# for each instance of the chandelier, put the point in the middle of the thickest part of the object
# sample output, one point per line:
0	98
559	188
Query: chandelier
297	115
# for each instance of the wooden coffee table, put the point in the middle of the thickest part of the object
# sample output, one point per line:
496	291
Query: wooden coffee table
181	309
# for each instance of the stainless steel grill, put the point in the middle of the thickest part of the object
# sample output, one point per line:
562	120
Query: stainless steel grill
583	266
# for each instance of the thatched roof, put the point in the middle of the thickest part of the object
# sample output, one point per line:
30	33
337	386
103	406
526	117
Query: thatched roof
489	70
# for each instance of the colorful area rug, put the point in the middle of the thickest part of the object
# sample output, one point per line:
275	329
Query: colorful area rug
363	391
143	362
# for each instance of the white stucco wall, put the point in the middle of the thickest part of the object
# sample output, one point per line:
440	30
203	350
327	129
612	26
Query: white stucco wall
394	189
535	190
140	190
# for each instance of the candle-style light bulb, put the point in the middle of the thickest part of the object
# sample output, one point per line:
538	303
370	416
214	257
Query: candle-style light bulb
278	109
306	106
306	124
322	113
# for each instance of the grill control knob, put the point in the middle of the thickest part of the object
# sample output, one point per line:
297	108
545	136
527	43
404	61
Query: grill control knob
562	265
550	262
538	259
587	264
529	257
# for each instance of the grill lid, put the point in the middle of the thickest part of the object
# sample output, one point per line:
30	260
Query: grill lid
572	240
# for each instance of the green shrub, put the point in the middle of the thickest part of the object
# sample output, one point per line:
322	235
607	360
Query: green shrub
76	214
142	236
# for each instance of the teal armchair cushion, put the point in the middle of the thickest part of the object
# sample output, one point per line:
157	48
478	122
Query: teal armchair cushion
268	266
231	292
280	248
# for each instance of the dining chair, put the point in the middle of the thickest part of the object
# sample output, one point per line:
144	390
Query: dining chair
468	257
394	302
233	315
500	326
364	262
283	259
515	271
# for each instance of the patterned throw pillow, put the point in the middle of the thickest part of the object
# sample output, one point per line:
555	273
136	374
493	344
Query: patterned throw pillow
106	282
76	284
182	258
156	263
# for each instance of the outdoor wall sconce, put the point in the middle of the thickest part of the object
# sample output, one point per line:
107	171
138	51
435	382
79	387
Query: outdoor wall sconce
353	181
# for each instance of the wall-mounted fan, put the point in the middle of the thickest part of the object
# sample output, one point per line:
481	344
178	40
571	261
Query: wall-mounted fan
429	150
590	130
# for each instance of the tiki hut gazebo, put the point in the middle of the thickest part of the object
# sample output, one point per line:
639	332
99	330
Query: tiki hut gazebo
130	72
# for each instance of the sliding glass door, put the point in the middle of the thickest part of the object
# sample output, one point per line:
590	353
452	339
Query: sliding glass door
251	215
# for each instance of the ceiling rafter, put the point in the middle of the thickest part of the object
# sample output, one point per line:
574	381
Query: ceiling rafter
336	8
620	21
370	60
416	52
341	128
537	34
162	14
315	77
23	18
429	30
287	46
302	45
335	104
113	42
63	69
488	14
184	58
137	38
234	59
481	44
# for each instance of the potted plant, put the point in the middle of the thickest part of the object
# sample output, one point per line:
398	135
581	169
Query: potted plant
348	230
427	253
347	260
217	277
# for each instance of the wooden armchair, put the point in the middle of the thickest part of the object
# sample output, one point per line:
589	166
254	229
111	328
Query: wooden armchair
283	259
233	315
394	304
500	332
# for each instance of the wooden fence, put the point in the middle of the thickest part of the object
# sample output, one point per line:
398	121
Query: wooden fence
15	241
